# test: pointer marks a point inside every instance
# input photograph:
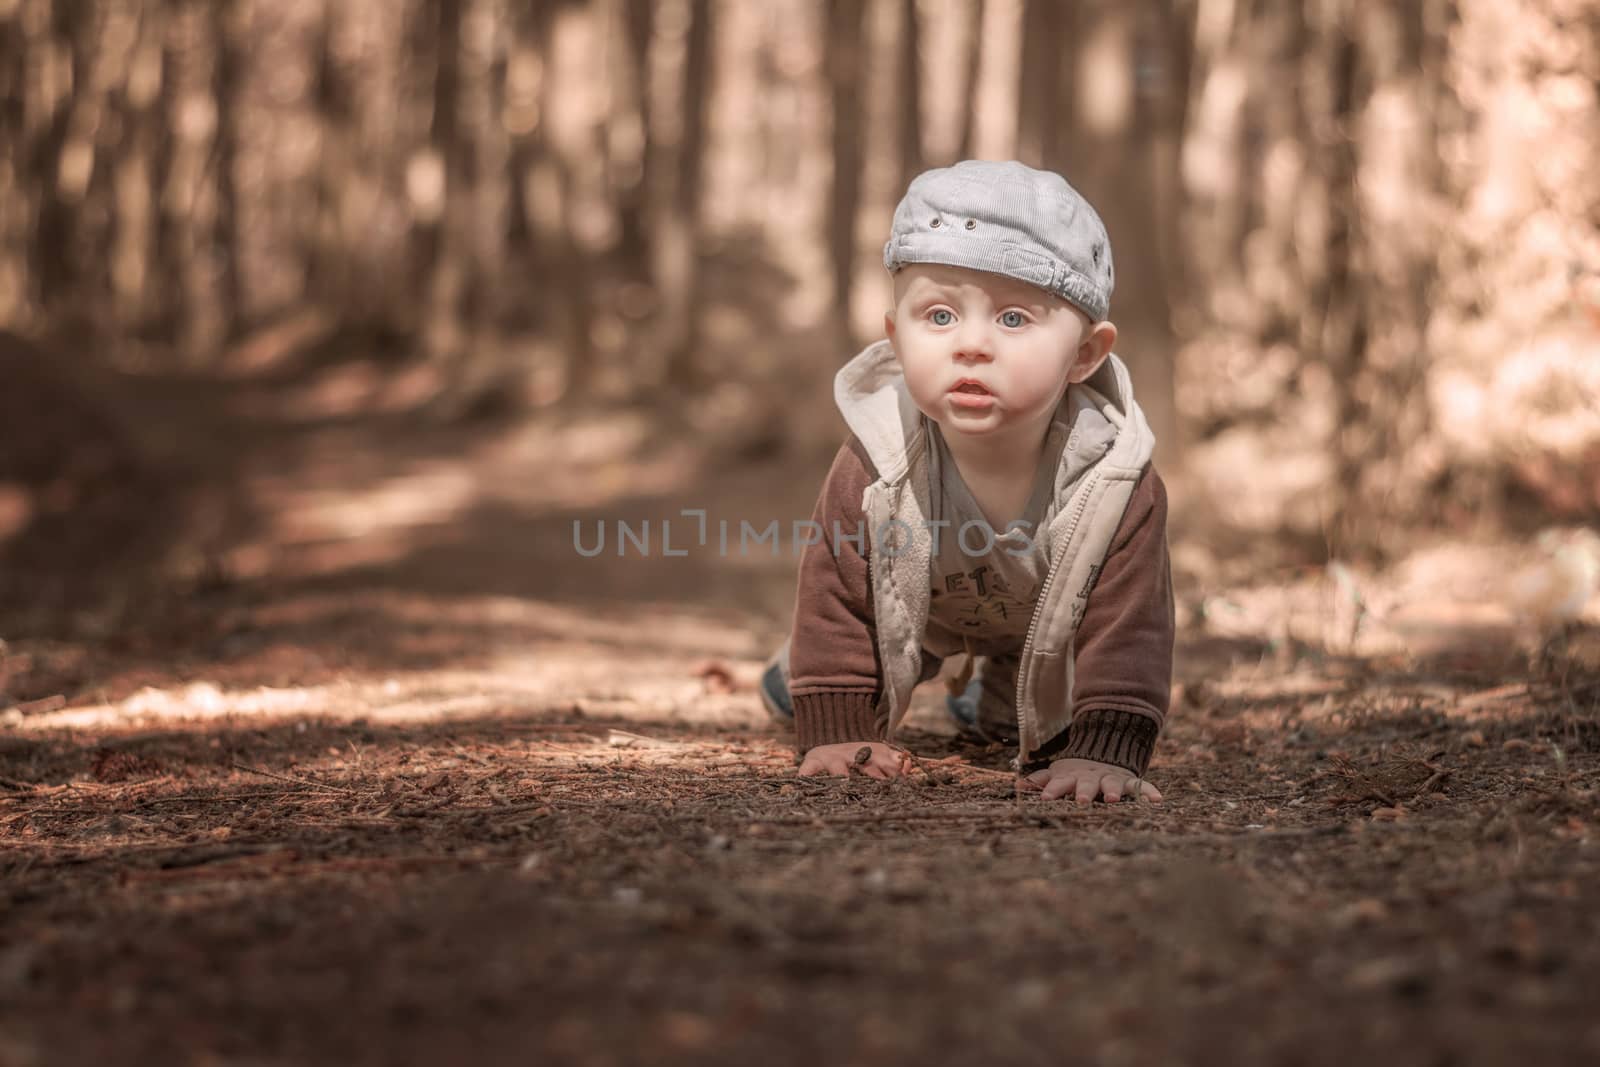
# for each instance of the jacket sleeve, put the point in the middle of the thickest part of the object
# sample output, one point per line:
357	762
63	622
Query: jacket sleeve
834	674
1122	667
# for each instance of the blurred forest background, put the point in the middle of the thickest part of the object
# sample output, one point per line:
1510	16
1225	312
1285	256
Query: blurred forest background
325	325
1358	243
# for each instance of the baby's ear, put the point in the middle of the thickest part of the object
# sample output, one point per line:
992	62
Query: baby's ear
888	325
1093	350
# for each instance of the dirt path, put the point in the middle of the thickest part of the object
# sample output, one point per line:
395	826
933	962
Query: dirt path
418	784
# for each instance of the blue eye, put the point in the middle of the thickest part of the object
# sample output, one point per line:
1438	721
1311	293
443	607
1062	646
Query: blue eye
942	317
1012	319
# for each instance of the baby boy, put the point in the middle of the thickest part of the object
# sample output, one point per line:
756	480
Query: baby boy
995	498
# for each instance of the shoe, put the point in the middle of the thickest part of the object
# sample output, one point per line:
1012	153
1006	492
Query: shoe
966	709
774	687
963	706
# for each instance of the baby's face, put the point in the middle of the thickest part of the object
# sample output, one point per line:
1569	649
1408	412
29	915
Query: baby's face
982	352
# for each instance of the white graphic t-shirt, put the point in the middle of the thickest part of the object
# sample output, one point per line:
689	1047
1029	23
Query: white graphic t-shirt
985	582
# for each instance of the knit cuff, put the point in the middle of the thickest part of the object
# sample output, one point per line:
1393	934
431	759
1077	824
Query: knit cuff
830	717
1122	738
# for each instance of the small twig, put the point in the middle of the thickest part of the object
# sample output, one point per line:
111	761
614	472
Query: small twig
151	801
916	763
34	813
39	707
628	739
117	855
290	778
983	770
1435	780
949	763
473	756
197	857
1007	815
179	798
1489	696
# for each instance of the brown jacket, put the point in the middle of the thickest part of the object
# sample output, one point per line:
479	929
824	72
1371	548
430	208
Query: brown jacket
1123	647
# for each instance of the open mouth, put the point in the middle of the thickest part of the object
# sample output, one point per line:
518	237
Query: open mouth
965	386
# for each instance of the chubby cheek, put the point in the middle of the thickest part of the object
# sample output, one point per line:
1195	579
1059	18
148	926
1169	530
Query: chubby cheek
924	378
926	393
1027	385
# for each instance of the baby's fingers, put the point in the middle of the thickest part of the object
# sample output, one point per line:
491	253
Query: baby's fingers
814	766
1147	791
1088	789
893	764
1060	786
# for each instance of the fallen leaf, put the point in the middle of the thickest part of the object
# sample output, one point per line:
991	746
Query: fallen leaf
1367	910
626	739
1395	974
716	676
687	1031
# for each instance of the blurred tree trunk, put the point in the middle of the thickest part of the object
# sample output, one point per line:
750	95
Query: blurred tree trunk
1046	105
541	225
371	180
190	197
845	60
633	248
448	160
1375	301
226	16
59	47
1094	110
14	199
138	304
677	231
973	35
482	378
910	92
464	175
1342	307
329	280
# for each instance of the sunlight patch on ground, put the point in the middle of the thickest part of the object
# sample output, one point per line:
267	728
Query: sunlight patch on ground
423	497
1495	602
549	465
321	531
542	681
516	628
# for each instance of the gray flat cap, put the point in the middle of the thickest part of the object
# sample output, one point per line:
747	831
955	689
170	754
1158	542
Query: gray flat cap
1006	218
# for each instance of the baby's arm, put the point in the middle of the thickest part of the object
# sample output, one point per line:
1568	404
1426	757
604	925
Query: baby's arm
833	661
1122	669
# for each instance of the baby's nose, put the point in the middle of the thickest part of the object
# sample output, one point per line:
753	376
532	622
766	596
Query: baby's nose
974	342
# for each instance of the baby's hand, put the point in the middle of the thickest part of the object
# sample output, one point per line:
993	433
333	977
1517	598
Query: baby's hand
871	758
1087	779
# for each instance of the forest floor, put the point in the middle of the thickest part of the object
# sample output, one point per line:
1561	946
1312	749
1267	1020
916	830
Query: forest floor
396	775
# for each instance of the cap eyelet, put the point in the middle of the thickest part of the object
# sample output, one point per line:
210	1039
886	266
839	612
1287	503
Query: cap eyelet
934	224
972	224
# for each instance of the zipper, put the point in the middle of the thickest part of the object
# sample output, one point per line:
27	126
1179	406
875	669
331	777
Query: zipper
1023	670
